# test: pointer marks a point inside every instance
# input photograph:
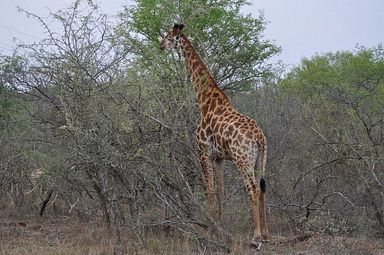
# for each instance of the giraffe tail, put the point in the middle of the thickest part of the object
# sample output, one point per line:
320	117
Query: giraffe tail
261	162
263	186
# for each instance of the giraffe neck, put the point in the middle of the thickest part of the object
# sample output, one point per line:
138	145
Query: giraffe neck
205	86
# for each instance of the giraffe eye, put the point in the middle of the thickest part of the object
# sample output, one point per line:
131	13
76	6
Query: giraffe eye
177	38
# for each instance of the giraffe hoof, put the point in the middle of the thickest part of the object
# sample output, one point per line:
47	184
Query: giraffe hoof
265	240
256	244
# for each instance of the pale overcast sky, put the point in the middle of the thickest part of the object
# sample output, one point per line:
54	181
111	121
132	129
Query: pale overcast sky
301	27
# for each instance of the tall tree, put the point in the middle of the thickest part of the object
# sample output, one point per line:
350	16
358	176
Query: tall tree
231	44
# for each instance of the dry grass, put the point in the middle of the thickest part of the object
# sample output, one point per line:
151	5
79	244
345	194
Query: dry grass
66	236
54	237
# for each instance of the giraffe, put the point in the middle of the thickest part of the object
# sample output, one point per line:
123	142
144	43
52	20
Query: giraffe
224	134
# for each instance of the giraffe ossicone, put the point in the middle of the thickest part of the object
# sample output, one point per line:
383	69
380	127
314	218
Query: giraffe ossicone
224	134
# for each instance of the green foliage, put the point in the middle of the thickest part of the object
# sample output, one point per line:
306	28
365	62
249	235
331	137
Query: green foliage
8	65
11	111
231	44
347	84
342	96
344	77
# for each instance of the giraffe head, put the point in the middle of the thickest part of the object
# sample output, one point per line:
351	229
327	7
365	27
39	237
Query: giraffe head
172	39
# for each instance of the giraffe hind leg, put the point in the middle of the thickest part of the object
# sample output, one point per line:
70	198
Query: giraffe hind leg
254	193
264	224
260	166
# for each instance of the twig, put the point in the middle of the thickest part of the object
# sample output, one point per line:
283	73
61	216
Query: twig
72	205
339	194
144	114
212	222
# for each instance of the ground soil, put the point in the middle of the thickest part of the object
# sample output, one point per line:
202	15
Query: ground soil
64	236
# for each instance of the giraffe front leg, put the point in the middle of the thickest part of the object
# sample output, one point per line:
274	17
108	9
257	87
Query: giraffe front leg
219	192
208	174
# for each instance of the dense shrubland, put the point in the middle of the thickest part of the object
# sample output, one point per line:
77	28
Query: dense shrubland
98	124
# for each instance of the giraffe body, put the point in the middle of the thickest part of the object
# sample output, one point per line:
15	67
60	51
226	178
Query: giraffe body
224	134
